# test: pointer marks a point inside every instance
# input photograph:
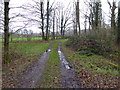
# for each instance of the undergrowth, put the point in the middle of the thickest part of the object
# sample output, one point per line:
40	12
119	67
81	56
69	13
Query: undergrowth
96	63
89	46
93	71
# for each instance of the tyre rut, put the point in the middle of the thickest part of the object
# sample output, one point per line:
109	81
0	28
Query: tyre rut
68	79
31	76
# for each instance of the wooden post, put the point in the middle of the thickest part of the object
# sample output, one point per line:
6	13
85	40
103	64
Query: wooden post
6	32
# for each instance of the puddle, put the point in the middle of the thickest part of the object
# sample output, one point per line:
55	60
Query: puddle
49	50
63	59
68	79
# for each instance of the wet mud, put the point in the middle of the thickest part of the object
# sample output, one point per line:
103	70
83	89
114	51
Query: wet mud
31	76
68	79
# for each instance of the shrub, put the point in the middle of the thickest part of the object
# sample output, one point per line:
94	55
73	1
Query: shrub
89	46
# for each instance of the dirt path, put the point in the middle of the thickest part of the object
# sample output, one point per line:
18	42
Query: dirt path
31	76
67	73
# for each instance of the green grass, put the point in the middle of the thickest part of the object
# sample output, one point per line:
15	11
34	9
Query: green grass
29	48
25	39
61	40
23	54
0	39
32	39
50	78
94	63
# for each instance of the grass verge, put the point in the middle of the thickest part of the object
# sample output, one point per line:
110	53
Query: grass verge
93	71
50	78
21	56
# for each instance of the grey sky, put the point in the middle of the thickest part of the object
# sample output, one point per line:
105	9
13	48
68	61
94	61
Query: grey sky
105	7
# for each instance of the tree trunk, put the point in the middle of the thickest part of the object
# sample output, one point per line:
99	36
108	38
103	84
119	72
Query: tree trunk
57	28
89	23
11	37
113	20
78	16
85	22
75	30
62	27
47	20
43	36
54	25
113	24
112	8
6	33
96	15
63	31
118	29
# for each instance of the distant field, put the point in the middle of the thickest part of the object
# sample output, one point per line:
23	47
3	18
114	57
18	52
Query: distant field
25	39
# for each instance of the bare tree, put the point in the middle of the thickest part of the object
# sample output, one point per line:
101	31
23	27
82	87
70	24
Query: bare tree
112	9
37	14
95	14
6	32
77	16
63	18
53	24
42	26
47	25
118	28
62	25
85	22
1	17
34	15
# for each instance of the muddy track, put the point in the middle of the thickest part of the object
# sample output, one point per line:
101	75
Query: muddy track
31	76
68	79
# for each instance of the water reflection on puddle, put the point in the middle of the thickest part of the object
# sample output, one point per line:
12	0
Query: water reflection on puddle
62	58
49	50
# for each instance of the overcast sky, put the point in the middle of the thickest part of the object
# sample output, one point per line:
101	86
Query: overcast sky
16	3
